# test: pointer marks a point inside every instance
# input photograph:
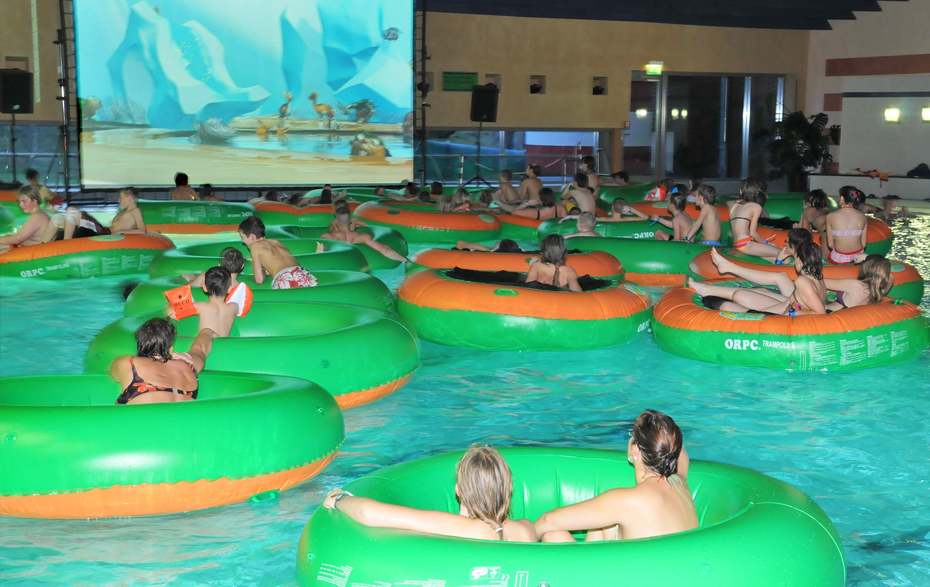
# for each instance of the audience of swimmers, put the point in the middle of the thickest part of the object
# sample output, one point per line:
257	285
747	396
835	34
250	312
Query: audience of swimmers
658	503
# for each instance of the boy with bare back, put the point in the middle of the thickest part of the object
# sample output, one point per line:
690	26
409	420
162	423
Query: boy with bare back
272	257
708	220
680	222
529	189
594	180
578	191
506	192
346	233
585	227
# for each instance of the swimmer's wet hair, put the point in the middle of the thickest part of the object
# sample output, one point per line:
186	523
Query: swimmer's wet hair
252	226
132	191
581	179
155	338
679	200
588	220
435	188
618	205
508	246
32	174
29	192
621	175
217	281
659	440
425	197
536	169
796	236
589	161
180	179
231	260
816	198
547	197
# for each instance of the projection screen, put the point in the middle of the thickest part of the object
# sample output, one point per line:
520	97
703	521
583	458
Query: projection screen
245	93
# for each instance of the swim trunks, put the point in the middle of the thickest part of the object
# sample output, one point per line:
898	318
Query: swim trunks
293	278
242	297
838	258
741	243
715	243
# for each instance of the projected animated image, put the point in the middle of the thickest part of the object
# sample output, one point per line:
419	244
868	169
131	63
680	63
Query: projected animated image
239	92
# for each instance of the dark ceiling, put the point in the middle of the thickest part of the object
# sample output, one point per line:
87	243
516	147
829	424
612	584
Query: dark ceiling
759	14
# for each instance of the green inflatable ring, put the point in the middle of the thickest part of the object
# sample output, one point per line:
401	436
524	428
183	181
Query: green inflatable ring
70	452
754	530
357	354
638	229
874	335
478	315
386	236
341	287
194	259
7	220
646	261
193	217
422	223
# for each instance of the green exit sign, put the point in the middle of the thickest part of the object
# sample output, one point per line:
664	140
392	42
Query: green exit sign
459	81
654	68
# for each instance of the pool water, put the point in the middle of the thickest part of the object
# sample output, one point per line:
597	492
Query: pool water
856	442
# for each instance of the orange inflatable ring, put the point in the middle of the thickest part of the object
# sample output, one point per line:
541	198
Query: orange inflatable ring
419	222
78	258
593	263
873	335
470	314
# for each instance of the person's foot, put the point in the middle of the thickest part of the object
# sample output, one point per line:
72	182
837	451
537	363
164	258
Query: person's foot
723	265
697	286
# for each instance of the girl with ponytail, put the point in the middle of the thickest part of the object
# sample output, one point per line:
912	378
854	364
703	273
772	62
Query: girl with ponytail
483	486
659	503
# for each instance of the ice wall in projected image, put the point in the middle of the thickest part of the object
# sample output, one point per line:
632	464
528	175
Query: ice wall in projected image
171	73
227	85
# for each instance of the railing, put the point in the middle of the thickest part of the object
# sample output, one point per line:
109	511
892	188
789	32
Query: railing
560	167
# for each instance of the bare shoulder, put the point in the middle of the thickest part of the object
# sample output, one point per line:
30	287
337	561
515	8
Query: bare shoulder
521	531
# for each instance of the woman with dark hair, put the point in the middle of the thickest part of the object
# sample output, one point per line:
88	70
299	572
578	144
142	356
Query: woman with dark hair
744	221
660	502
814	217
845	231
484	486
805	295
156	373
551	269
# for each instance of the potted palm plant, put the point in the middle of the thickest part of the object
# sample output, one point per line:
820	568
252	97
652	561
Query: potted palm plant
798	146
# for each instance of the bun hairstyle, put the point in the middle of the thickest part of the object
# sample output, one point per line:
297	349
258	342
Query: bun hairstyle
850	194
485	486
659	440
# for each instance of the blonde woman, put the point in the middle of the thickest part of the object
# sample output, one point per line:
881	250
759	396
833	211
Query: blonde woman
873	284
483	486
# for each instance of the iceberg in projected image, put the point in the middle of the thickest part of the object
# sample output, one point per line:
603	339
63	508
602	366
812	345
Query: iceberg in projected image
362	60
176	72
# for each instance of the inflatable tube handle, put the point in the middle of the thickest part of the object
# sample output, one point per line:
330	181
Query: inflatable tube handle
506	292
393	212
264	496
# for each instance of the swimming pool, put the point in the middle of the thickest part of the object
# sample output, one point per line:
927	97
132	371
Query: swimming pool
856	442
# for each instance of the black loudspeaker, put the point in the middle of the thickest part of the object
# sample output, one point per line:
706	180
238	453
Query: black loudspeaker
484	103
16	91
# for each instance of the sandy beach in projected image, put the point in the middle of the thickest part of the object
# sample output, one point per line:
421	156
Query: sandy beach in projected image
143	156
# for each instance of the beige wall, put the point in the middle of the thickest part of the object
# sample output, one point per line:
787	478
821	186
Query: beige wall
571	53
901	28
16	39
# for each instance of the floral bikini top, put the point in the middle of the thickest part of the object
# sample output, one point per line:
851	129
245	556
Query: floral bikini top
138	386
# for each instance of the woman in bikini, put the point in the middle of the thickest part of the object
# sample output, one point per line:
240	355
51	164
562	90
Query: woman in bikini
845	231
814	217
548	207
484	486
551	269
805	295
873	284
660	502
157	374
744	219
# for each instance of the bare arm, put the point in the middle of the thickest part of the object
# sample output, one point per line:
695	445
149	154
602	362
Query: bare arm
681	224
384	515
808	296
597	512
637	213
864	237
467	246
139	221
257	269
698	224
201	347
828	229
29	229
573	281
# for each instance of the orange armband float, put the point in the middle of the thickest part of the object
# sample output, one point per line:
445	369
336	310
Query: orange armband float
182	301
